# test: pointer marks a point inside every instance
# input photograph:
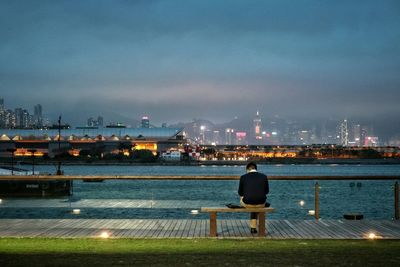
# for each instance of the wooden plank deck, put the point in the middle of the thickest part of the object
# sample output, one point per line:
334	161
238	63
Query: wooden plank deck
155	228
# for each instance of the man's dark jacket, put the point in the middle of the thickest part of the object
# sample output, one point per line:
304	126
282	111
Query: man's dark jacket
253	187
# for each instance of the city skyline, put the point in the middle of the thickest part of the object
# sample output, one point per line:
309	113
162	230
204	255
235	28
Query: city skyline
240	131
172	60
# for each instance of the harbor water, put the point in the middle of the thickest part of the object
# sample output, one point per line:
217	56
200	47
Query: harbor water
168	199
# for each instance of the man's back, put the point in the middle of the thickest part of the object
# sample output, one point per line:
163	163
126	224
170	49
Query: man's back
253	187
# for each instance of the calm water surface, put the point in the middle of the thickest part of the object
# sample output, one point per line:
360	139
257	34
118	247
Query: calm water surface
175	199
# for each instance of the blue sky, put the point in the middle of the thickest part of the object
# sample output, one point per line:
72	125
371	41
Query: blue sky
176	60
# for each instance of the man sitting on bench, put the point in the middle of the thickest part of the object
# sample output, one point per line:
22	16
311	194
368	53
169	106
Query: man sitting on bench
253	188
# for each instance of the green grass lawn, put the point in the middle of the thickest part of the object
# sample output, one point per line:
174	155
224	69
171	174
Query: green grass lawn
196	252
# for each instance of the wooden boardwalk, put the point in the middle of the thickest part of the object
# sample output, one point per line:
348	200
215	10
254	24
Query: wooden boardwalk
154	228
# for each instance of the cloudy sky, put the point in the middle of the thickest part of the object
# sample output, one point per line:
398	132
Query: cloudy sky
177	60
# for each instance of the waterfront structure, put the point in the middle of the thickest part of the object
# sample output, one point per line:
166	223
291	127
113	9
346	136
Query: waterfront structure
171	156
73	141
321	152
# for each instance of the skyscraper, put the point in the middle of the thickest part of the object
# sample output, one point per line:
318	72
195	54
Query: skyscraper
357	134
145	122
37	115
100	121
344	133
26	119
90	122
229	136
216	137
2	113
18	117
202	134
257	126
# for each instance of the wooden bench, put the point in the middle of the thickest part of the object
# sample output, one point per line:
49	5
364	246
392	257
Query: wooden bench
213	217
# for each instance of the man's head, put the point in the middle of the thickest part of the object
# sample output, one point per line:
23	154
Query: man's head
251	166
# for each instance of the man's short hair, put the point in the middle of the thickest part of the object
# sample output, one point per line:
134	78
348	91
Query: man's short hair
251	166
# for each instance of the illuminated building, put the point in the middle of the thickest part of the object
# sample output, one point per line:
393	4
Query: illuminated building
241	138
304	137
19	117
344	133
371	141
202	134
257	126
228	136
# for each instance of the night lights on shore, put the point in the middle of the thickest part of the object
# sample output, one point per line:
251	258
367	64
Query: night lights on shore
194	212
1	200
301	203
311	212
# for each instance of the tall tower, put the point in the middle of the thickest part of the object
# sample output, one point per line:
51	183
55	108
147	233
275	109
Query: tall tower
344	133
257	126
2	113
100	121
145	122
229	136
38	116
357	134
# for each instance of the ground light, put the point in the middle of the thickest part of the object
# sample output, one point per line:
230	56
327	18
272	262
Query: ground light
301	203
104	235
194	212
76	211
372	236
311	212
1	200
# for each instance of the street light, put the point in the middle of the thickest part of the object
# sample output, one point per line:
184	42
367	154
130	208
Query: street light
59	147
33	159
12	150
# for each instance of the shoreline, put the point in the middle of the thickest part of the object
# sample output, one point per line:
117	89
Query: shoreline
297	161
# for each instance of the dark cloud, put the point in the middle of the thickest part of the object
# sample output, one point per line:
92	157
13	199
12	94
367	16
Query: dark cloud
182	59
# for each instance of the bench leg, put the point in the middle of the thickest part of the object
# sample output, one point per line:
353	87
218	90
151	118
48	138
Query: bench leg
213	224
261	224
